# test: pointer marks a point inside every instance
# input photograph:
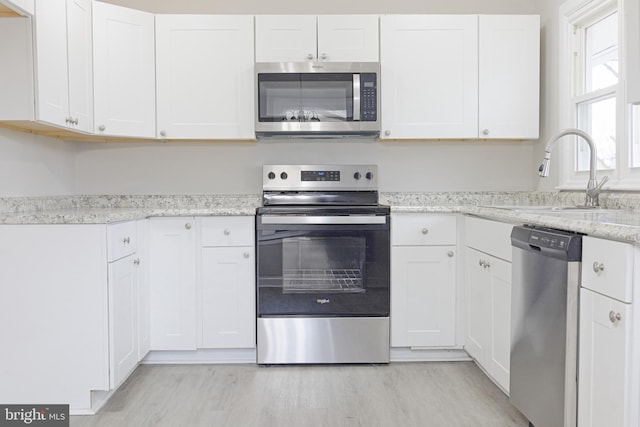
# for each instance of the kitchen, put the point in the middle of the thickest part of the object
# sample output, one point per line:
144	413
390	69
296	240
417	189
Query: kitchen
37	166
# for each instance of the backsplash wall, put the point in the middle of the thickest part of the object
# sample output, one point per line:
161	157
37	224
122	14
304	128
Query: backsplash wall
236	167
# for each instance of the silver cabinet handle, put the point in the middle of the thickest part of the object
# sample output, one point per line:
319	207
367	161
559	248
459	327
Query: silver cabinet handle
76	121
425	231
485	132
136	261
450	254
226	232
481	263
68	119
310	56
188	226
101	128
126	240
387	132
487	264
598	267
163	133
614	317
323	56
246	255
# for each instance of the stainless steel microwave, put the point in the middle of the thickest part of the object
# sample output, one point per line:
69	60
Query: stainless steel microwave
317	99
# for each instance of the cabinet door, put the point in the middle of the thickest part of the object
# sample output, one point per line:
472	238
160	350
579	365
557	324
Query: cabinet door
509	71
172	277
499	359
429	76
477	300
204	71
80	57
604	362
142	282
51	62
632	57
228	297
285	38
123	324
124	71
348	38
423	296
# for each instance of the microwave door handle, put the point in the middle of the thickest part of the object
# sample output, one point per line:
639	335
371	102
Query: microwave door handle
356	97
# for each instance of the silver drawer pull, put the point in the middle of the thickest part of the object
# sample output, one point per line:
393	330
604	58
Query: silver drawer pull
187	226
425	231
450	254
136	261
126	240
614	317
598	267
246	254
227	232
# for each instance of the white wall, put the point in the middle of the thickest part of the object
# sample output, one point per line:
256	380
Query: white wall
35	165
228	168
331	6
549	76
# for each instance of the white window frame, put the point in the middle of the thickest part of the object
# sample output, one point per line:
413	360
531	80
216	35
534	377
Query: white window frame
580	13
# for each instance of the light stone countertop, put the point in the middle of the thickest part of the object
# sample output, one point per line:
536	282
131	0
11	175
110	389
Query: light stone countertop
620	224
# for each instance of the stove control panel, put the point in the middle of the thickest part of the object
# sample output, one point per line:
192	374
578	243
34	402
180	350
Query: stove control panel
319	177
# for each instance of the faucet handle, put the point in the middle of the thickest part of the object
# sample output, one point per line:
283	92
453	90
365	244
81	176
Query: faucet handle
598	188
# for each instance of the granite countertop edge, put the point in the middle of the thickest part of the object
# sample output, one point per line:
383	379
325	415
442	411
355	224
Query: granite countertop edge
624	226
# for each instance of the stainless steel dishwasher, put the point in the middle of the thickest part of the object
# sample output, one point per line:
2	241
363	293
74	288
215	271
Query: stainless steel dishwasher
544	325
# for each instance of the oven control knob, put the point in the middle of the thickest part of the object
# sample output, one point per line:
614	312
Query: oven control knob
357	175
369	175
284	175
271	175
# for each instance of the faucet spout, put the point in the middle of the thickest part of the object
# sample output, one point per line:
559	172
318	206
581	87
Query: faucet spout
593	188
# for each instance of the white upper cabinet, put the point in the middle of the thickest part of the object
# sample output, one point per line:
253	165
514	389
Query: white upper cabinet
509	76
204	72
429	76
460	76
337	38
124	71
64	63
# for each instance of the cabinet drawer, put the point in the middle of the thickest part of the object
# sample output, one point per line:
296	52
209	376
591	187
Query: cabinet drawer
228	231
423	229
607	267
491	237
121	240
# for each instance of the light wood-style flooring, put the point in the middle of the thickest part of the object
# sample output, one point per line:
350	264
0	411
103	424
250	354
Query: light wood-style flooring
433	394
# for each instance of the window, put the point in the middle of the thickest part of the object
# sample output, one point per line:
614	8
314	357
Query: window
594	101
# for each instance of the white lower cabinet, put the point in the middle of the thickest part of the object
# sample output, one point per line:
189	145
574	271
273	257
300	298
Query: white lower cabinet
227	299
609	341
488	296
123	322
605	376
172	277
423	280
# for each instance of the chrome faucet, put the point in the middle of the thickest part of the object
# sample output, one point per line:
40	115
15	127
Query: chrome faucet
593	188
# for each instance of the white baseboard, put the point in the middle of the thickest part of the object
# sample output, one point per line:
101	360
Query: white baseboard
238	355
406	354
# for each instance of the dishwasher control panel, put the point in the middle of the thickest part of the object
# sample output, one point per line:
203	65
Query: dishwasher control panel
546	240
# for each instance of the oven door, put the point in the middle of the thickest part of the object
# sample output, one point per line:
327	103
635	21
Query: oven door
329	266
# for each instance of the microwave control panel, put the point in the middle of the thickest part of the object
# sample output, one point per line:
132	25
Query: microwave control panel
368	97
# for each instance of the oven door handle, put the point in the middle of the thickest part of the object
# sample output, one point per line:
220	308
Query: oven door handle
347	219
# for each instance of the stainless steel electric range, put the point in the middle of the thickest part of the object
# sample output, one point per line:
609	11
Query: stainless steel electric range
323	266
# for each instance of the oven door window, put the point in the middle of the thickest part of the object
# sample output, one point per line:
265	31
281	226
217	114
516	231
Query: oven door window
305	97
323	270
